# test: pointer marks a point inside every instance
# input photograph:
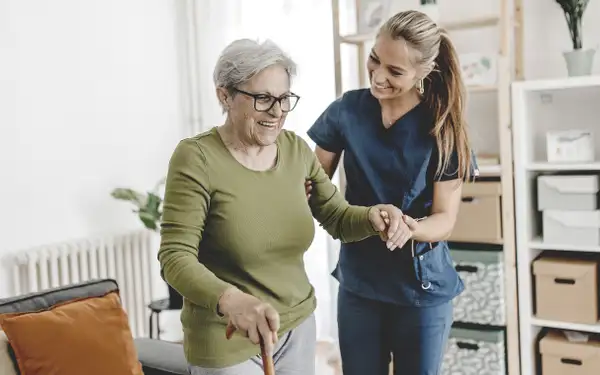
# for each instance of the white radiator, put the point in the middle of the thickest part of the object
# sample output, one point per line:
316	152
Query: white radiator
128	258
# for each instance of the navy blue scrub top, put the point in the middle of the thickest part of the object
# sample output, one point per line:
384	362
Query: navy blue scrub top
389	166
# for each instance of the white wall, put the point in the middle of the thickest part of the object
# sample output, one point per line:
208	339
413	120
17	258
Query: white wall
547	37
89	100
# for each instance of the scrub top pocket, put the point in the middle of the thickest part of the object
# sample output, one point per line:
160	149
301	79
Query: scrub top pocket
431	264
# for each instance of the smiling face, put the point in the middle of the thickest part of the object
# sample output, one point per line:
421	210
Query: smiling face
391	67
246	107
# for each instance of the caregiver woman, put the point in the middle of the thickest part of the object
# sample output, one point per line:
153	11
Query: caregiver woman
405	143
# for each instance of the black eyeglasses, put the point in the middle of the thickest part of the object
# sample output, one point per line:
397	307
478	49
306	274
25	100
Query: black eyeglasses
264	102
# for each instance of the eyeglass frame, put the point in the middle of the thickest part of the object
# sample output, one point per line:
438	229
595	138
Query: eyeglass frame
275	100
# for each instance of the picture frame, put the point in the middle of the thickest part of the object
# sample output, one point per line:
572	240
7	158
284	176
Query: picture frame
371	14
479	69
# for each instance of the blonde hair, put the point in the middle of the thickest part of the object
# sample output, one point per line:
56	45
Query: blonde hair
444	91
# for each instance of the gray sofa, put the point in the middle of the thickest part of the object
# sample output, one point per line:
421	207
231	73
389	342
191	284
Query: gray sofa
157	357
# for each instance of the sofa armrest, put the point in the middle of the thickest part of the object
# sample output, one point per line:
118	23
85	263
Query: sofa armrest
161	357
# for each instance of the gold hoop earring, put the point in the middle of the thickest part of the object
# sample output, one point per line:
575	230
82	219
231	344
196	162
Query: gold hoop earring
421	86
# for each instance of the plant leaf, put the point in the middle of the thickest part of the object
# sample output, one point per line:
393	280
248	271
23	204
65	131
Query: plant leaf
130	195
149	220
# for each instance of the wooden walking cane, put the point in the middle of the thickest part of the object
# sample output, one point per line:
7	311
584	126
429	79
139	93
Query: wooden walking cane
268	366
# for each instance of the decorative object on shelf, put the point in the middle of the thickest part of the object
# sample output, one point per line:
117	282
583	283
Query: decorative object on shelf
148	207
431	9
478	69
570	146
579	61
371	15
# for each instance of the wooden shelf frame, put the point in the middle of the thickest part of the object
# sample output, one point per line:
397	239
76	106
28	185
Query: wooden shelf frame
510	68
475	23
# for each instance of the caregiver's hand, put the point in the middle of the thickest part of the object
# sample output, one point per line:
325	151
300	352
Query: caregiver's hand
250	317
307	188
396	232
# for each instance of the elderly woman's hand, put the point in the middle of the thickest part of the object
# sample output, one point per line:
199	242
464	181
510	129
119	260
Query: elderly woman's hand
388	220
251	317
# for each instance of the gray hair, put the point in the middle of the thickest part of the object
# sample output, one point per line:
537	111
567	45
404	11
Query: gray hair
244	58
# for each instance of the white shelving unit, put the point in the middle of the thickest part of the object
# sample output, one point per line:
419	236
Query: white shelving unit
538	107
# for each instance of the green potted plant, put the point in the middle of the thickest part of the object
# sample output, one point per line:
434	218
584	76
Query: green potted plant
579	61
148	207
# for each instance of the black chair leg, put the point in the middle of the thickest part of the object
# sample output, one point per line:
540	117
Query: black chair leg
158	326
151	326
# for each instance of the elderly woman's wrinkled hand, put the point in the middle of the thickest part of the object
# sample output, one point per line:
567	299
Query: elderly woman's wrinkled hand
390	224
251	317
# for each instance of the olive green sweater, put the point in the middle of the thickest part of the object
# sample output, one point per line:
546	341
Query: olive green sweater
224	224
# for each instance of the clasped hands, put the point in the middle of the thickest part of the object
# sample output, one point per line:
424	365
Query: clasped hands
393	226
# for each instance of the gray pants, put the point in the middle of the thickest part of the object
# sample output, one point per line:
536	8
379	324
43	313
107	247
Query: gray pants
294	355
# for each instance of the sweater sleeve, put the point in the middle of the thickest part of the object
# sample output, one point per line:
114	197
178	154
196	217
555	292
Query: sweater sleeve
185	209
329	207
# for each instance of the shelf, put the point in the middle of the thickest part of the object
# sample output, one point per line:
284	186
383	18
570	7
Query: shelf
490	170
560	167
558	84
483	88
450	26
591	328
537	244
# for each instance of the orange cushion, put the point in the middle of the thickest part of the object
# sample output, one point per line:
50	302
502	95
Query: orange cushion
88	336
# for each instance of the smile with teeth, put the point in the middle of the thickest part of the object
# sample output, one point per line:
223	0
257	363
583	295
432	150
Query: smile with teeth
268	124
382	87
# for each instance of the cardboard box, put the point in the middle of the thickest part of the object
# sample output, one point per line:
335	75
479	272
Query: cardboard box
563	357
566	289
480	214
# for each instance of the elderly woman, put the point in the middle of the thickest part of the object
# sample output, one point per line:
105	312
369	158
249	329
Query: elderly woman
237	222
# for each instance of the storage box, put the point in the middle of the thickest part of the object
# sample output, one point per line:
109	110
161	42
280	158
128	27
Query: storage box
563	357
567	192
480	214
482	272
566	289
475	352
575	228
570	146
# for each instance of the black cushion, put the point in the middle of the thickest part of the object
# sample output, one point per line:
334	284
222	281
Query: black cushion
44	300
